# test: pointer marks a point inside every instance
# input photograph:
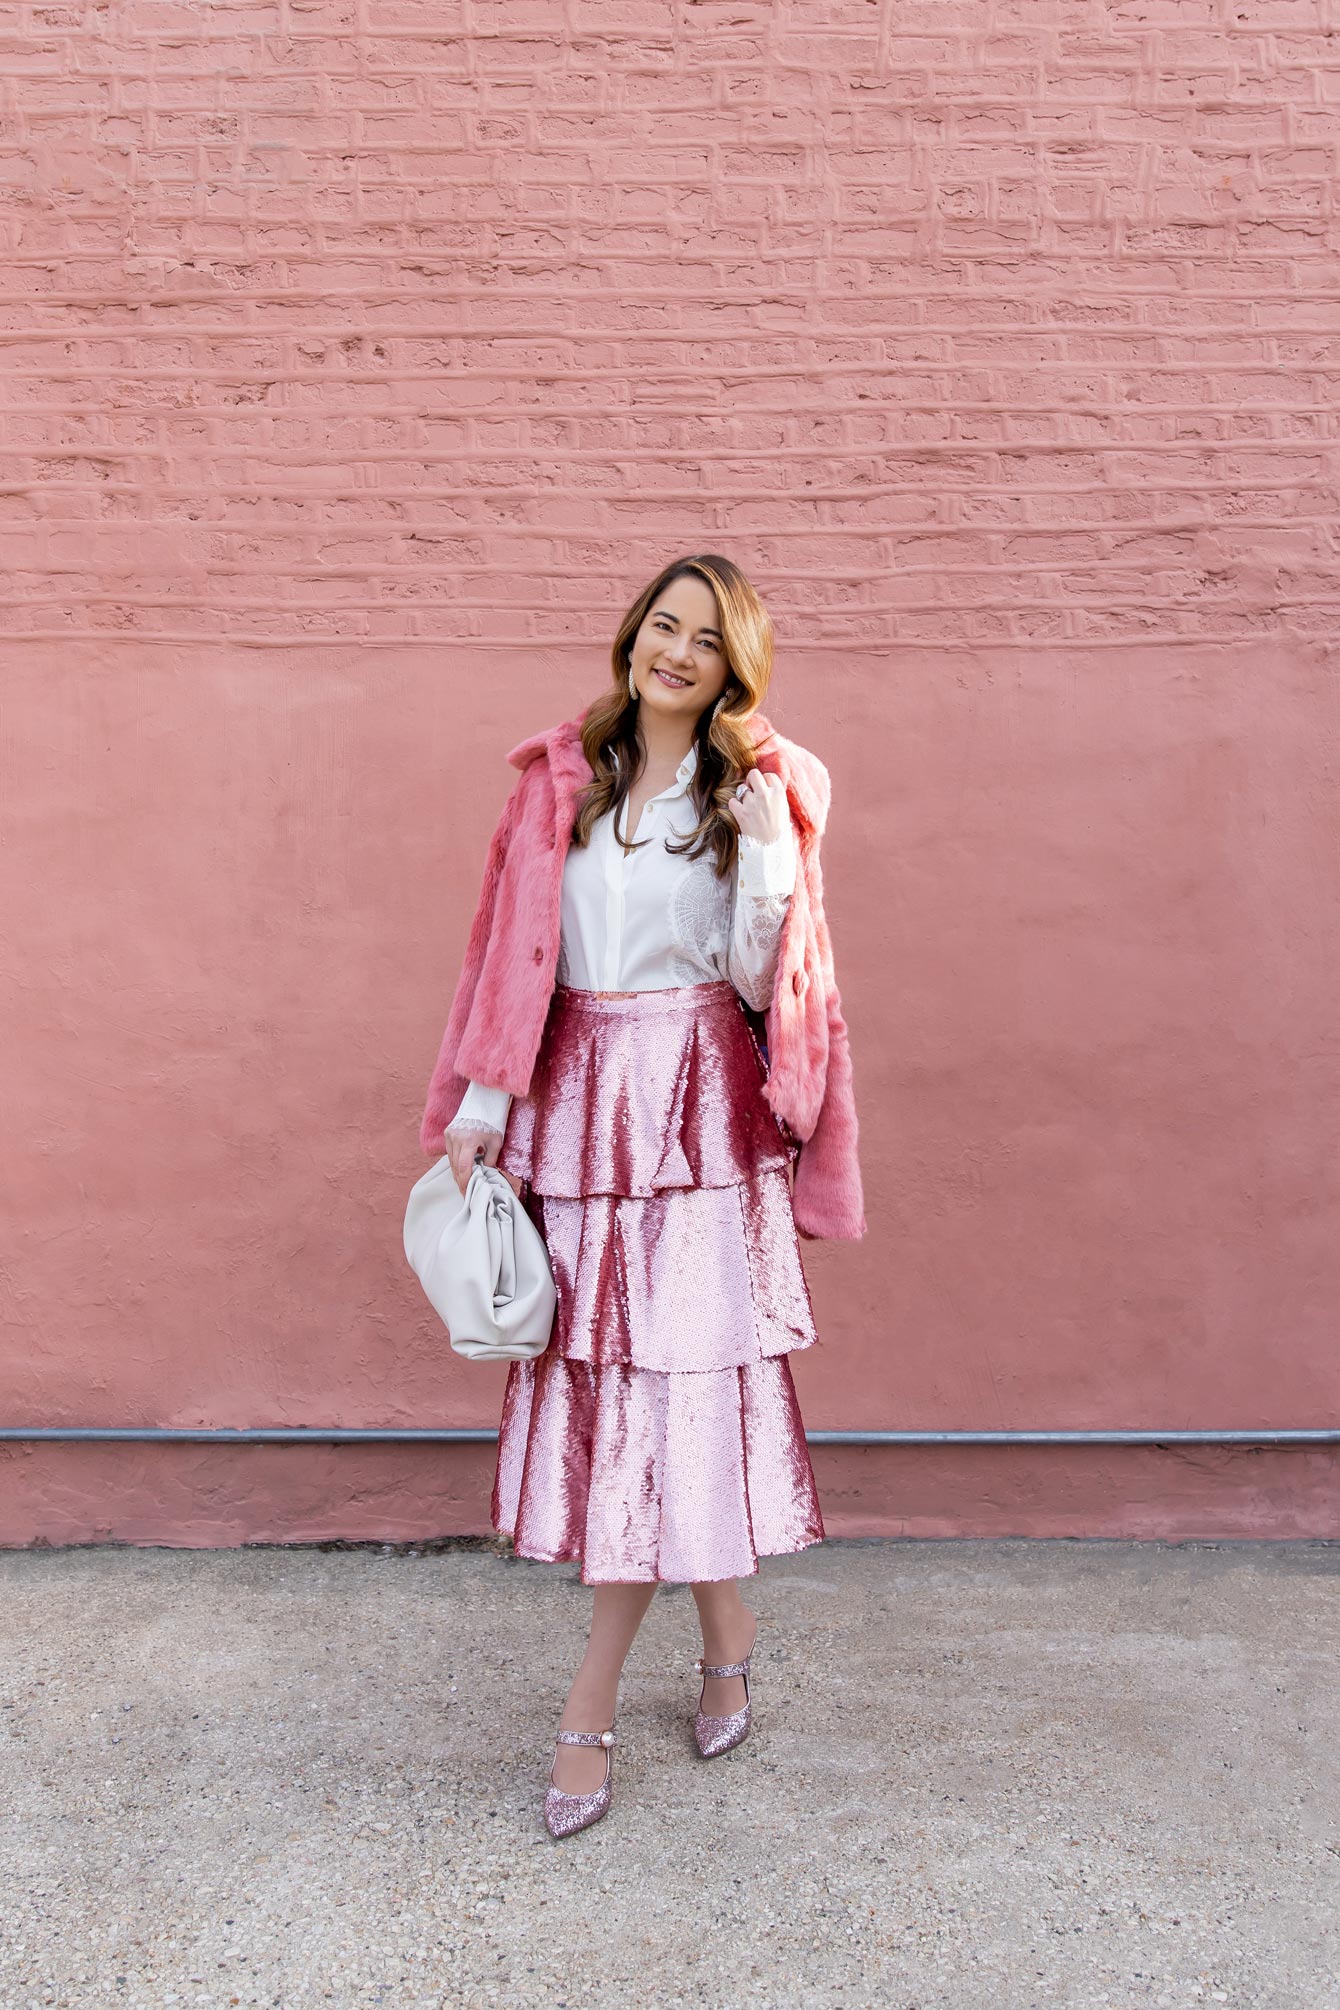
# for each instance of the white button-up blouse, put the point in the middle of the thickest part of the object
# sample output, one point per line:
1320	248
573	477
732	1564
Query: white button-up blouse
650	918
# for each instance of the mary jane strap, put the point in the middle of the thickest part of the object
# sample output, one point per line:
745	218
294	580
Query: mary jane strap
700	1667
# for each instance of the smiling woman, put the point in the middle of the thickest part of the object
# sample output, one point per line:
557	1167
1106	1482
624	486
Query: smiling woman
682	635
658	1438
687	688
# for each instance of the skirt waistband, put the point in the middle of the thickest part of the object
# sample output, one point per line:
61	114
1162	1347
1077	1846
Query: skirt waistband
671	998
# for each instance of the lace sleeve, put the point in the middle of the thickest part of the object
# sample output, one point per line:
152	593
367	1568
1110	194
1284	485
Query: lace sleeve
766	881
482	1109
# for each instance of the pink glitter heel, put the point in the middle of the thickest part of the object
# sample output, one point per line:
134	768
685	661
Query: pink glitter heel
715	1735
564	1813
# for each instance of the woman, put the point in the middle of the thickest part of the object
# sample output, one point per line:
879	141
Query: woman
649	976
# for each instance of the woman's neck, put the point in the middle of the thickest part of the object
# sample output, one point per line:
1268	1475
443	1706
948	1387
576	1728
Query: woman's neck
665	742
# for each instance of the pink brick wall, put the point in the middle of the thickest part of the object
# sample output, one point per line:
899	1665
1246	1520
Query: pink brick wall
358	366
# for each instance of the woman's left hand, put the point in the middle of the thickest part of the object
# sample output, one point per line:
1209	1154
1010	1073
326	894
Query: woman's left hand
759	806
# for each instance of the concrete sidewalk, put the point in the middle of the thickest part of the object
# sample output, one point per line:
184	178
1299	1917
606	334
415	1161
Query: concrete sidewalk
982	1775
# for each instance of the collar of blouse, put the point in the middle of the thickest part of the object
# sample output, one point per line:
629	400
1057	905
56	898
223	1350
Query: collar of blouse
683	776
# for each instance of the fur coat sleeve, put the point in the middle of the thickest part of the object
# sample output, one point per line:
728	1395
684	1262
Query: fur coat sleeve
497	1011
810	1073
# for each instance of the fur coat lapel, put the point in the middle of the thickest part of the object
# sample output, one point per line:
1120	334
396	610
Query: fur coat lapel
498	1013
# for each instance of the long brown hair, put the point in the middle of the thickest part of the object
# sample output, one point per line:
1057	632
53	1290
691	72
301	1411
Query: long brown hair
726	747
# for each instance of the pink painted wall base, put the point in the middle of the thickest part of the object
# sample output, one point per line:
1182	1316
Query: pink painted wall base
211	1497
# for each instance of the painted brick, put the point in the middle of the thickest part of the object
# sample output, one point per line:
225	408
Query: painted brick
467	167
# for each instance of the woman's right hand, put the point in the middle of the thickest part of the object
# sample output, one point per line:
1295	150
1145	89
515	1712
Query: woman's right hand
461	1148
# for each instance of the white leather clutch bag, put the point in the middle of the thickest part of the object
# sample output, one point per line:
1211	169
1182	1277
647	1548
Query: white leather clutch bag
482	1262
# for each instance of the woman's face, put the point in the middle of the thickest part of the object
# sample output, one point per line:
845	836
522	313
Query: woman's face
678	661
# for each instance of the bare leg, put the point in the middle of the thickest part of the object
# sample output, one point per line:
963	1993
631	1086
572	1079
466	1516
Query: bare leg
617	1613
728	1635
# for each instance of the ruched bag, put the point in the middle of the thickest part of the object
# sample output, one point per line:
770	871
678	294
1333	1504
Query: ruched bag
482	1263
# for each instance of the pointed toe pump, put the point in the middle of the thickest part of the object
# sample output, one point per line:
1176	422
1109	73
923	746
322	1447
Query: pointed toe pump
564	1813
715	1735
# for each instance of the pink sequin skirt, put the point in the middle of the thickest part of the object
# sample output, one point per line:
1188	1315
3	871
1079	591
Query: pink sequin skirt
658	1437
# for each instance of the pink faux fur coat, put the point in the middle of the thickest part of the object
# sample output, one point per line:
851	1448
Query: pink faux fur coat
493	1033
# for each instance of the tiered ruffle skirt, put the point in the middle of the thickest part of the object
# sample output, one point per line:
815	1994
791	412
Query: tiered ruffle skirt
658	1437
